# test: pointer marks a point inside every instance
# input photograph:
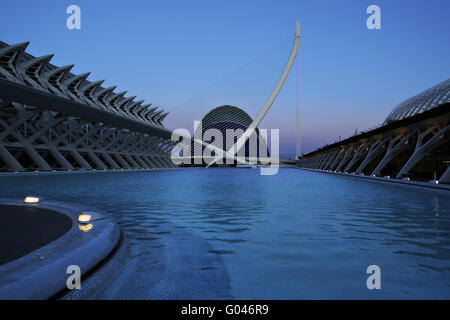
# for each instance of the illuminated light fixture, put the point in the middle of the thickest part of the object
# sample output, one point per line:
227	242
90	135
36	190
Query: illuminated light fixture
373	175
437	181
84	218
388	177
89	216
86	227
30	199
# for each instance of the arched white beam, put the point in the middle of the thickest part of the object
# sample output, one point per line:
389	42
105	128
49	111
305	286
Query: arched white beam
114	100
72	84
251	129
331	160
138	110
375	150
148	112
161	118
344	159
421	150
125	102
31	71
52	79
156	115
445	176
359	152
10	56
89	89
133	106
394	149
333	165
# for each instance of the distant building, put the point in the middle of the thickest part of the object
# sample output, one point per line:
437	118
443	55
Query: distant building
413	143
52	119
227	119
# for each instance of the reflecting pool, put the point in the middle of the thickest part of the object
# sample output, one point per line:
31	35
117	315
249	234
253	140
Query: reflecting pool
297	234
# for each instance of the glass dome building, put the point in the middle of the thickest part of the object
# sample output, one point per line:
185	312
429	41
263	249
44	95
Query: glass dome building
426	100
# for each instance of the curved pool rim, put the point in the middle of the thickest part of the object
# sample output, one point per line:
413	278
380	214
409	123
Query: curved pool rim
42	273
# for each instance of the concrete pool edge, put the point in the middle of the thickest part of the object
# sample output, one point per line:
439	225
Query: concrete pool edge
38	173
42	273
410	183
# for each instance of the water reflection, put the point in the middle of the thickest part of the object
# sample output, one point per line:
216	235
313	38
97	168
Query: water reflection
86	227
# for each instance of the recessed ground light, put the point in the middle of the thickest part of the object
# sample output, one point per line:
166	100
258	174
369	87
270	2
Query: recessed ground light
84	218
30	199
89	216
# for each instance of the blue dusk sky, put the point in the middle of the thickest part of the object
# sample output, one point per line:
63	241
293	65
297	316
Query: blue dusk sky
166	52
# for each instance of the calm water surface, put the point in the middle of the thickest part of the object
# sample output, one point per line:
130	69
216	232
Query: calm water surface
297	234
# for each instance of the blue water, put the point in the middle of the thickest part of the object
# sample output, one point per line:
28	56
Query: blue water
297	234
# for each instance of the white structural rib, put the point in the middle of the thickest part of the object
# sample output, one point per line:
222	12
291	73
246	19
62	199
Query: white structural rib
297	118
251	129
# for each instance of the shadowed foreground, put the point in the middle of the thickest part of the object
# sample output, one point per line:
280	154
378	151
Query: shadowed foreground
25	229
